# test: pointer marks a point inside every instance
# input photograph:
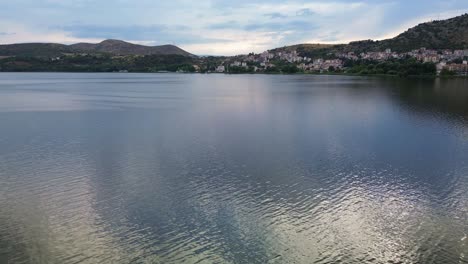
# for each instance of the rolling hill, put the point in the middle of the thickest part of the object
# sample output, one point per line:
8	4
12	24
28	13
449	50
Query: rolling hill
441	34
120	47
115	47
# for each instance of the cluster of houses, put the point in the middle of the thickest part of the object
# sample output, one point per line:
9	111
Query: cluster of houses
321	65
444	59
422	54
457	68
265	60
377	56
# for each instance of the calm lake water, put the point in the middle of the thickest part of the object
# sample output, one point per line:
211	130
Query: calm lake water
173	168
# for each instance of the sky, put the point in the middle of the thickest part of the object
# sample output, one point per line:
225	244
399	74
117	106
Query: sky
216	27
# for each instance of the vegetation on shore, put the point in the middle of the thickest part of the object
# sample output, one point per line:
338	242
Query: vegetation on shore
178	63
98	63
402	68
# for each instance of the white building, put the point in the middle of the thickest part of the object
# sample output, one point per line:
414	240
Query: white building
440	66
220	68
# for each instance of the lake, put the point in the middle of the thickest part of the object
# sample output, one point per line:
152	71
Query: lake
180	168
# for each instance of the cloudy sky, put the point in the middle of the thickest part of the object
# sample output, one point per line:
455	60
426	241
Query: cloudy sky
218	27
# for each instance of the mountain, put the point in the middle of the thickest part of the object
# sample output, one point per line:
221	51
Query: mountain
120	47
115	47
441	34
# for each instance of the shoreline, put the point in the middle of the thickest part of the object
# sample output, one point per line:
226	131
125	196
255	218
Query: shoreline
264	73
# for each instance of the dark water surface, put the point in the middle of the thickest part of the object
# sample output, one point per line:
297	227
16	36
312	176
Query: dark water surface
167	168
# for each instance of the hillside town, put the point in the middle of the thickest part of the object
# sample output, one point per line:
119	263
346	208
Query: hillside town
454	61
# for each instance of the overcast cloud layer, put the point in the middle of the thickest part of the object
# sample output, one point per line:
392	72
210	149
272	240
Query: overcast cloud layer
218	27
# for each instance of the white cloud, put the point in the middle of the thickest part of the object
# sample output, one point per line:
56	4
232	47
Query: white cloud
17	33
236	42
321	8
353	26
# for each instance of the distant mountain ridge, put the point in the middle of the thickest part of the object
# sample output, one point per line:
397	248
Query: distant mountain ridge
110	46
441	34
120	47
